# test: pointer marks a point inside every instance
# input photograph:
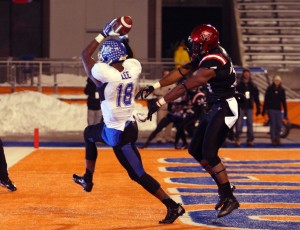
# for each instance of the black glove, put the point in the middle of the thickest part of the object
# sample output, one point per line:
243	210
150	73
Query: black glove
147	90
153	107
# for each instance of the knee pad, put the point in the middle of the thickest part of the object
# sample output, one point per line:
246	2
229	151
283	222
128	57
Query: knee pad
204	163
197	156
86	133
149	183
213	161
91	152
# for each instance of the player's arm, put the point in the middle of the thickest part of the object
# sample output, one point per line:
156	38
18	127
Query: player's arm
87	59
171	78
200	77
174	76
86	55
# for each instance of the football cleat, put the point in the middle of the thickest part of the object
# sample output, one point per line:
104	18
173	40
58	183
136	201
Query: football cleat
222	199
229	205
173	214
87	186
7	183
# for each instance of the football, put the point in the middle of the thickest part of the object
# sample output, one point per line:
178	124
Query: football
123	25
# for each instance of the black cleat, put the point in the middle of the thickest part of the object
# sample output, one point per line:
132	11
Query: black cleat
173	214
80	180
222	199
7	183
229	205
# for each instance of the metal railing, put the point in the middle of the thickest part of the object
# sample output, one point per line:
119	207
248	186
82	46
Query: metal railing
49	73
17	73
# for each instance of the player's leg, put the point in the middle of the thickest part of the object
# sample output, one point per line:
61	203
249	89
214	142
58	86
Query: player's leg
130	158
250	135
4	179
92	134
239	127
211	144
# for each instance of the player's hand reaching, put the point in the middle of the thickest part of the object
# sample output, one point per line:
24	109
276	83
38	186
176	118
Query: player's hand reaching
108	29
145	92
153	107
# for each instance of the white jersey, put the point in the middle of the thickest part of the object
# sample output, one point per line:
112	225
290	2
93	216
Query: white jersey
118	103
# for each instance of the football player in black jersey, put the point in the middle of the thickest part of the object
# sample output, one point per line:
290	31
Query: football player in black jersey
210	66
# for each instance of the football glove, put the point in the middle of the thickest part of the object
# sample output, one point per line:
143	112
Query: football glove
124	37
108	29
145	92
153	107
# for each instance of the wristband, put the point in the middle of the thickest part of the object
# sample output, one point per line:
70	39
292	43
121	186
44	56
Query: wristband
156	85
161	102
184	77
99	38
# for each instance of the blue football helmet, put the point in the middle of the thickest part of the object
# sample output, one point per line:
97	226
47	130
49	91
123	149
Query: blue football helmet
111	51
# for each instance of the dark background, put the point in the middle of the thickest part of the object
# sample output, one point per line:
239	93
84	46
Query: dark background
178	22
24	29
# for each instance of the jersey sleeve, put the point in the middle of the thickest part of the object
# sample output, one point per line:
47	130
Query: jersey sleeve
100	71
134	66
213	61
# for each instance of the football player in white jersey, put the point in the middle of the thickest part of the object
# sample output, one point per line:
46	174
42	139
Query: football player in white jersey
116	78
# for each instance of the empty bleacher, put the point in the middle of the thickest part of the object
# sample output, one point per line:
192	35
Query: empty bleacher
269	32
269	37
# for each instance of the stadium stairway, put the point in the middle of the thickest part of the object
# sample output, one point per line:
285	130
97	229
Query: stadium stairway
269	32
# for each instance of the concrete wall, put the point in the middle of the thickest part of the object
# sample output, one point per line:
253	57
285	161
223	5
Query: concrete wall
73	23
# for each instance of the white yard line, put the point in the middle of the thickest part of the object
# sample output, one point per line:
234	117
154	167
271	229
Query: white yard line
15	154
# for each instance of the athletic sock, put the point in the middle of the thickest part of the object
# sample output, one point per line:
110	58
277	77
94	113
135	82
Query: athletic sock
170	203
88	176
226	189
216	180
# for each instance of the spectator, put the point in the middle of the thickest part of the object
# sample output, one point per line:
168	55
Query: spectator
181	55
274	102
250	90
174	115
196	113
93	103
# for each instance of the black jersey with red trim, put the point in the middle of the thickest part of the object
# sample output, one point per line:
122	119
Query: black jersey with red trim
223	85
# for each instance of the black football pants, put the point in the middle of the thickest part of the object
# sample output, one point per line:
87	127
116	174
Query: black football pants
212	132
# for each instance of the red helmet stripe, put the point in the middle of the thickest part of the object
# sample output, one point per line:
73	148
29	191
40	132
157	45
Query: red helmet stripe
214	57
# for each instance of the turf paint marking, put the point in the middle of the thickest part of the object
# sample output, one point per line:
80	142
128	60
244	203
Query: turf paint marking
278	203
